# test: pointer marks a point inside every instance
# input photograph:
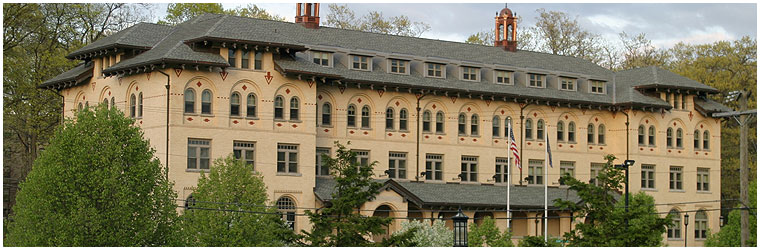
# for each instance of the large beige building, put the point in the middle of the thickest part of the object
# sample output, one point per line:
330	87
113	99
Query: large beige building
432	113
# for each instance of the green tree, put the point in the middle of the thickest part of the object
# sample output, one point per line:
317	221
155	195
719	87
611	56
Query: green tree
730	234
177	13
340	16
428	234
605	214
97	184
340	224
482	38
487	233
229	208
538	241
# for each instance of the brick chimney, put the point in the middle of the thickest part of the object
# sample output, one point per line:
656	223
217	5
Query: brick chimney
506	30
307	14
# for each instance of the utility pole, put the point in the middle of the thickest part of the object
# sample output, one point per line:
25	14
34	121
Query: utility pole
743	168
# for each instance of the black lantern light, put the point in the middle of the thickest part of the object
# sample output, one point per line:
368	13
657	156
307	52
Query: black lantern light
686	229
460	229
722	221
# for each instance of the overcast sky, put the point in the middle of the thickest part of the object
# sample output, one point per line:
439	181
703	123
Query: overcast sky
664	24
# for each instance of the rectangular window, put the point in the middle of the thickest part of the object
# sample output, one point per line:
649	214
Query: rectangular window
535	171
434	167
244	151
362	157
398	66
470	74
360	62
287	158
703	179
198	153
502	170
503	77
535	80
434	70
322	169
257	60
676	178
245	61
596	168
566	167
469	169
322	58
397	165
597	87
231	58
567	84
647	176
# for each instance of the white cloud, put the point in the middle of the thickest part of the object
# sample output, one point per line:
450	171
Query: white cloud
709	34
612	22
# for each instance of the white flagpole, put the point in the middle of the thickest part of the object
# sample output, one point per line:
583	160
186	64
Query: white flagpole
509	171
546	188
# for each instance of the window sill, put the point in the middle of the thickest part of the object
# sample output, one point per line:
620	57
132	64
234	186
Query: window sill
368	129
289	174
279	120
675	239
439	77
236	117
569	90
190	170
251	118
294	121
247	69
503	83
396	73
368	70
704	192
677	191
403	131
649	189
191	114
207	115
326	126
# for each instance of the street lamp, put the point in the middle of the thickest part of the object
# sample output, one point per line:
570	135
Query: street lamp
460	229
721	221
685	229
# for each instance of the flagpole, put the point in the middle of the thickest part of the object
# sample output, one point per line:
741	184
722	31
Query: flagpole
509	172
546	187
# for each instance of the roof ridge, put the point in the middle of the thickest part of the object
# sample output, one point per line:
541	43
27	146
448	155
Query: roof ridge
654	72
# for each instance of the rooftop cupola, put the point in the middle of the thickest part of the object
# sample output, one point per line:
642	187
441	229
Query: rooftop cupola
506	30
307	14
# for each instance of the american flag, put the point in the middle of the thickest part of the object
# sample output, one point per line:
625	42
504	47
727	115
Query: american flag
549	151
513	148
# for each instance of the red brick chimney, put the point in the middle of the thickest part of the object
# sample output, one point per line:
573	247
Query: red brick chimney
307	14
506	30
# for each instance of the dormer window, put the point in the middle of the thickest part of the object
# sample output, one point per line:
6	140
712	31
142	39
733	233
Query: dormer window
535	80
503	77
398	66
567	84
322	58
470	74
434	70
597	87
360	62
231	58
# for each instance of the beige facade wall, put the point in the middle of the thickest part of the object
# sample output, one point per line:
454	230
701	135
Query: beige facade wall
266	132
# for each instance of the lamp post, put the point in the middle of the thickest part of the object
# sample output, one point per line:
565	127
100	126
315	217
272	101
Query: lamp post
685	229
537	225
460	229
721	221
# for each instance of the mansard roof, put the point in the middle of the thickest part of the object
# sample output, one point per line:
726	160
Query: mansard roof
139	36
74	77
451	194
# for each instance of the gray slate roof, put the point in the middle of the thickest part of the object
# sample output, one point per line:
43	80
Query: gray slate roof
73	77
431	194
141	35
653	77
706	106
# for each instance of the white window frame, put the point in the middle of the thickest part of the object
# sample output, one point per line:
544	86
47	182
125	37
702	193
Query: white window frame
442	70
399	161
535	172
321	56
354	58
434	167
648	177
402	68
362	157
240	150
676	178
596	168
592	85
287	149
319	164
566	167
471	169
508	75
703	180
197	145
501	171
540	82
469	71
566	81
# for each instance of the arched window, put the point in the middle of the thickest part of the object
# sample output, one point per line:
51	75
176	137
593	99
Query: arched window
403	120
600	132
351	116
706	140
674	232
696	140
501	33
641	135
651	135
140	105
669	137
206	102
679	138
294	106
106	102
474	125
365	117
590	137
326	114
560	131
87	104
462	119
287	208
540	129
250	105
189	101
507	126
80	107
571	132
132	107
529	129
113	102
189	202
509	32
278	108
235	104
496	122
700	225
439	122
389	118
426	120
